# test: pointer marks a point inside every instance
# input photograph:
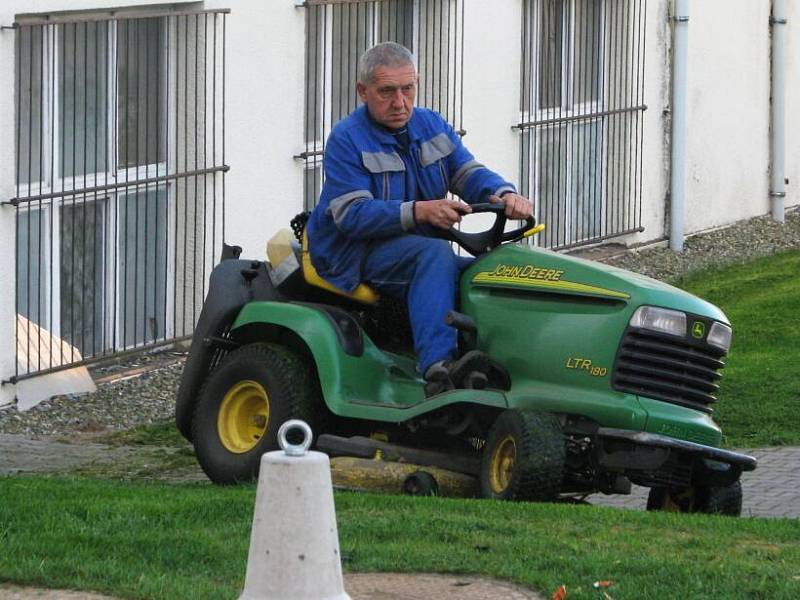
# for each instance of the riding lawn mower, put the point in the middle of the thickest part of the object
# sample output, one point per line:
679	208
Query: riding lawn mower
599	378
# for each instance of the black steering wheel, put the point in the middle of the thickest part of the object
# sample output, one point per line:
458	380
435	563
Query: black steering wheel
484	241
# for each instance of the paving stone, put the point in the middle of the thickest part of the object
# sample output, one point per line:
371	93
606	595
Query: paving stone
772	490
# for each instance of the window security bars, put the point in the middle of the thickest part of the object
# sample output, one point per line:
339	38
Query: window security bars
339	31
581	122
120	196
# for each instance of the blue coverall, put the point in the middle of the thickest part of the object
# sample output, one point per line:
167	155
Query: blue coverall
363	228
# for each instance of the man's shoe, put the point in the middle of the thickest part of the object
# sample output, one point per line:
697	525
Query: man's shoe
470	372
473	361
438	379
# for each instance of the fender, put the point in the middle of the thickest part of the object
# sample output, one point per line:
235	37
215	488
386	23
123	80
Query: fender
358	380
233	283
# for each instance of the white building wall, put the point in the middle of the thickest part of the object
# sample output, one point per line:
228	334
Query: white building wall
655	144
792	103
491	84
728	118
727	175
8	318
491	99
264	125
264	119
8	11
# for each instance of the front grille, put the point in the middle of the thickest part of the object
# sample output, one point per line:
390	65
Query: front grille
681	371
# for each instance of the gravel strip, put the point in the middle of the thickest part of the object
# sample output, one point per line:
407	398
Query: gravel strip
121	404
738	243
150	397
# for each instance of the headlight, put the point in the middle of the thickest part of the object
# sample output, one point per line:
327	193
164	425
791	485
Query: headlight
662	320
720	336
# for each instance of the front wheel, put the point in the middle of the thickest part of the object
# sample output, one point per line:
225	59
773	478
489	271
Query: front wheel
243	403
711	500
524	457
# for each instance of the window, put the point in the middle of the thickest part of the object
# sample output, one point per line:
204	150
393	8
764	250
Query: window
71	70
582	76
337	33
119	143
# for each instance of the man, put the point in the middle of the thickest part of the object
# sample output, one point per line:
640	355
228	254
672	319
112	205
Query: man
388	167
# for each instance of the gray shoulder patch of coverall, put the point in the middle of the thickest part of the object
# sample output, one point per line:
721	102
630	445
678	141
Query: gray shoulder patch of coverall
435	148
382	162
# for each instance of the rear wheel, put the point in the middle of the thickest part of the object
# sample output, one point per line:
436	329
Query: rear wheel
698	499
524	457
243	403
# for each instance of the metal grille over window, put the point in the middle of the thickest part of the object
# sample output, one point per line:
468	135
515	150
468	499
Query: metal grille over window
581	122
120	197
339	31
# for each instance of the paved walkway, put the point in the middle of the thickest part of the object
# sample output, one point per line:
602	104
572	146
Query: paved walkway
772	490
21	454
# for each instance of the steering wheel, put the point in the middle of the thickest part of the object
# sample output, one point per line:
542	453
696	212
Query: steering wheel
484	241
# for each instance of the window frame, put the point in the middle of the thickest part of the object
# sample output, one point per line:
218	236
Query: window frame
53	179
314	148
565	110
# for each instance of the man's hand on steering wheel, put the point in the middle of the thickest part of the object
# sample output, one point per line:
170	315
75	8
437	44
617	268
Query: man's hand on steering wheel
484	241
517	207
442	213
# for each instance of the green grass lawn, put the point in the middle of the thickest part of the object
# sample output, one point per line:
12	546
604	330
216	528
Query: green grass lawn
760	390
172	541
190	541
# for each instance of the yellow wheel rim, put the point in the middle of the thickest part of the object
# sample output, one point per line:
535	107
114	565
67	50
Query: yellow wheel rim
502	467
243	416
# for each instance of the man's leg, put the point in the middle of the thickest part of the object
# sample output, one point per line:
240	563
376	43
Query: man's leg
424	272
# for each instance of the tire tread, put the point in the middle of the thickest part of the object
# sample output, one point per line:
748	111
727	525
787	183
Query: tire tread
540	455
294	394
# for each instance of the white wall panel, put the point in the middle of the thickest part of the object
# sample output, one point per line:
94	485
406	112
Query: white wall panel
728	112
792	104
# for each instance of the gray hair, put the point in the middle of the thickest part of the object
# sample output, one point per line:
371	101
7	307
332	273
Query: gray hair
386	54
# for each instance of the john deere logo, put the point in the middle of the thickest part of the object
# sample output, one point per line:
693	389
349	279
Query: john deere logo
698	330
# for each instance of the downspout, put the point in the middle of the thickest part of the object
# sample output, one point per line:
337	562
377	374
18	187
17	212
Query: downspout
680	45
777	189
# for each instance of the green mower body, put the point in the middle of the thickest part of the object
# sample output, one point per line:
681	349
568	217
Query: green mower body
628	402
558	339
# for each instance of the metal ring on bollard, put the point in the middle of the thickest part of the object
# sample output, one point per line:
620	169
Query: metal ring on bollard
295	449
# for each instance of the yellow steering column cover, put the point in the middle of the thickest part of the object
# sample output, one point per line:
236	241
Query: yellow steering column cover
534	230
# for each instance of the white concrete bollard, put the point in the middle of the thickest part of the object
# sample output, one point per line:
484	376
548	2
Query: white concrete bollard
294	543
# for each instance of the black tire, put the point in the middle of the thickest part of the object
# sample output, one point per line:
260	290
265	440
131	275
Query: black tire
709	500
228	446
524	457
420	483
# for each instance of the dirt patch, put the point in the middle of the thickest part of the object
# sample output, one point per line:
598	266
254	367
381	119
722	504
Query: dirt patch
415	586
13	592
81	455
360	586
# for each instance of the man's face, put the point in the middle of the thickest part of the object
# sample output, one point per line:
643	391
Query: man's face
390	95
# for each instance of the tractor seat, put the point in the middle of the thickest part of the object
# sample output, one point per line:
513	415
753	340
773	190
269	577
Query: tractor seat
363	293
